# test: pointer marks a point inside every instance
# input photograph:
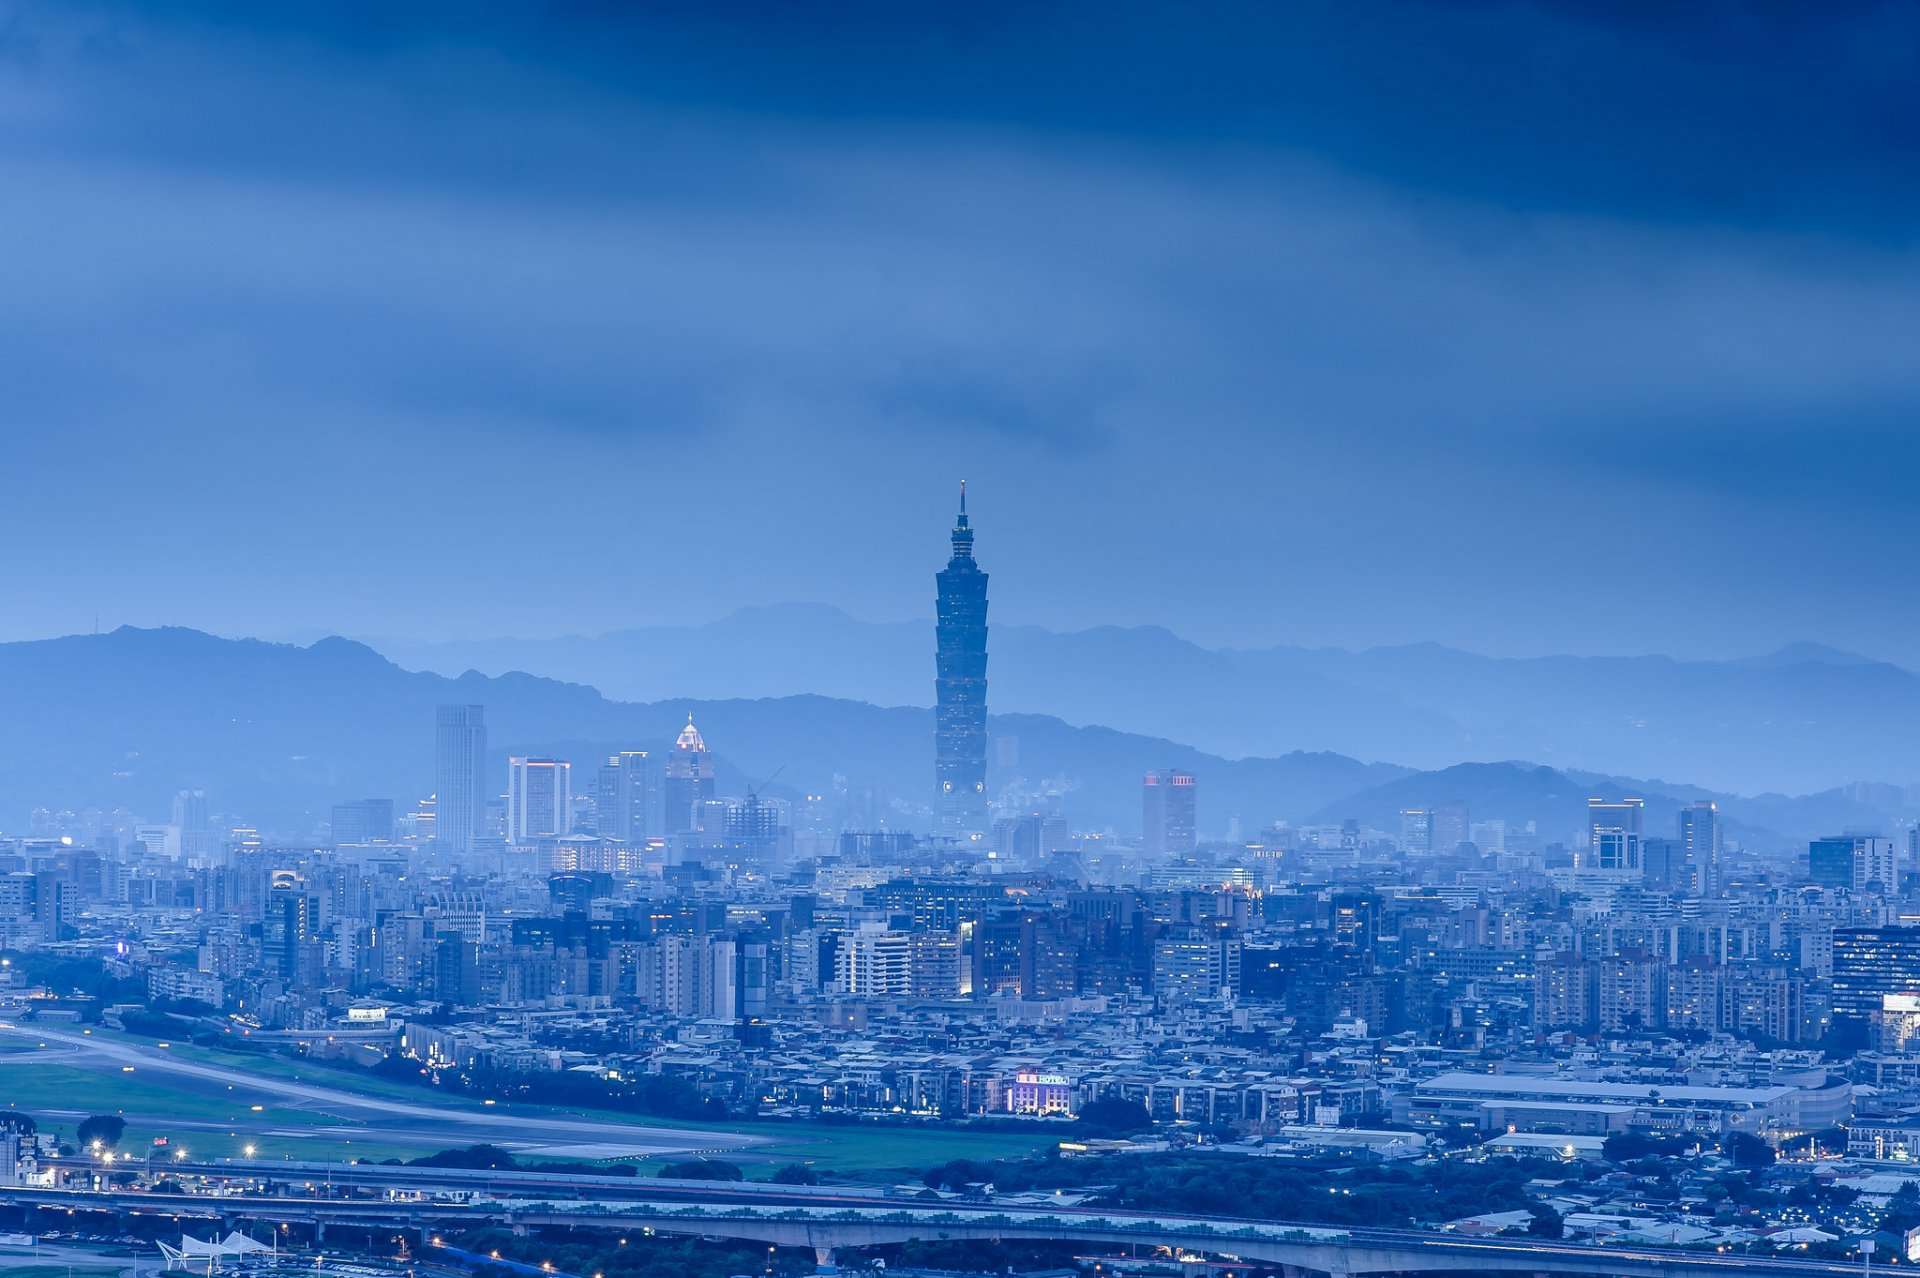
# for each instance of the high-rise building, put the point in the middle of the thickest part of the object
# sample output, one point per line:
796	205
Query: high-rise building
539	799
623	796
1416	830
362	821
193	828
874	962
1876	971
1167	813
460	776
1613	836
688	788
1862	862
1451	826
1700	836
960	689
1664	865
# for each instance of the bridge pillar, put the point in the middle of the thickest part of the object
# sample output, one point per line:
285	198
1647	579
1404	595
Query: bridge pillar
519	1230
823	1258
319	1231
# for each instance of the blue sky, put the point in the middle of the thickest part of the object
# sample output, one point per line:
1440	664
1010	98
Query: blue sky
1522	327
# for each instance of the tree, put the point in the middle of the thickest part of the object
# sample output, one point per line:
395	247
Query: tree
1116	1117
702	1169
104	1130
1903	1209
478	1157
1546	1223
1748	1150
959	1173
795	1174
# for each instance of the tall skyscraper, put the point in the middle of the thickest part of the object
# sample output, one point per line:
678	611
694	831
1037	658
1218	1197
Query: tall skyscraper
623	796
460	776
539	799
960	689
1167	813
689	783
1613	836
1700	835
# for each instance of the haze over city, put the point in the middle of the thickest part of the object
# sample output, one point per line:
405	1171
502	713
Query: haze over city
959	640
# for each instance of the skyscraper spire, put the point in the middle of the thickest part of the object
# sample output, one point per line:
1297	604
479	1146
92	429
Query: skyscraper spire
962	530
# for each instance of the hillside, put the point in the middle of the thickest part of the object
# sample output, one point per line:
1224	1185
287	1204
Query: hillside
1805	718
278	732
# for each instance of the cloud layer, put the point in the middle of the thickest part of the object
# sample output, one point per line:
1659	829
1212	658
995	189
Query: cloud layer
1516	326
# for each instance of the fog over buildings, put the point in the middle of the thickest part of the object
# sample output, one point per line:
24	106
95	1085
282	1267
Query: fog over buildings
500	772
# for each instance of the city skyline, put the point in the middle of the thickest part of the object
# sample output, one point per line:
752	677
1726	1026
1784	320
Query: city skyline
1429	784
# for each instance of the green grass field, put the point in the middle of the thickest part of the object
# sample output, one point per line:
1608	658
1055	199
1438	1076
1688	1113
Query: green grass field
74	1084
107	1090
24	1266
215	1125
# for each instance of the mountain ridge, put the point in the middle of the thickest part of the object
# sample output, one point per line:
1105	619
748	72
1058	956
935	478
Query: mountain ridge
279	731
1802	718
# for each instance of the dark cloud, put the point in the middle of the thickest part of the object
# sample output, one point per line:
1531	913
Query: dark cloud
1356	323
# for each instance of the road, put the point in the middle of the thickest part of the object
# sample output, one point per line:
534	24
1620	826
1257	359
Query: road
458	1125
1320	1248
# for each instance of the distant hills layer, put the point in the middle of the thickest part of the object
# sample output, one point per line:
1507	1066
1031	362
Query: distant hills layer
278	732
1804	718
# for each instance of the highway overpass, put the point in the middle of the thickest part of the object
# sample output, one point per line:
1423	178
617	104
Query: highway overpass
1301	1248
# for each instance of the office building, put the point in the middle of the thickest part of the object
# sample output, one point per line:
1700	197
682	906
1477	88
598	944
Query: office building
1613	836
1416	831
1859	862
193	834
1451	826
460	776
1664	866
1167	813
539	800
362	821
960	689
1700	837
687	791
623	797
1876	971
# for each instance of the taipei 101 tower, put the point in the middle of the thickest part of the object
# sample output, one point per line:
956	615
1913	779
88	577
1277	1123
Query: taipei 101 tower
960	689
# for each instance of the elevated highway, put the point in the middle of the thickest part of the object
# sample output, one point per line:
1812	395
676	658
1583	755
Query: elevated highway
827	1227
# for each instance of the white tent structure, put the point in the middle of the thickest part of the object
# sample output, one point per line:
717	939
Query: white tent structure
192	1252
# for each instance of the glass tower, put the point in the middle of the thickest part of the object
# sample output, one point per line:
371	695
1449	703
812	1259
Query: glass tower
960	689
460	772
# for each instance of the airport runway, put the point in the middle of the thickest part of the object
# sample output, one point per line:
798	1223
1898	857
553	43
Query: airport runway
453	1124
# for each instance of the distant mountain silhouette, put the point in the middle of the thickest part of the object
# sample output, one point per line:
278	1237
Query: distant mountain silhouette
1806	717
278	732
1556	802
